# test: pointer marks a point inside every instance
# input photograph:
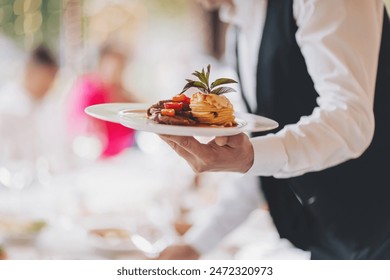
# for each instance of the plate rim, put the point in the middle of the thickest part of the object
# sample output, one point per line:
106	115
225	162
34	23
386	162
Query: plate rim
175	129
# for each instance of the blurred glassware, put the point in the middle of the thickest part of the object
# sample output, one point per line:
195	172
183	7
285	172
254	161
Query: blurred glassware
154	228
16	170
151	239
16	175
20	165
43	171
87	147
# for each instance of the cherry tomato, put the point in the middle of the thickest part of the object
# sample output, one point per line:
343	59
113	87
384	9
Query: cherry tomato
187	101
174	105
179	98
168	112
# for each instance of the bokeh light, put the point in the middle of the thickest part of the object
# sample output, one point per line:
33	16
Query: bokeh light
31	22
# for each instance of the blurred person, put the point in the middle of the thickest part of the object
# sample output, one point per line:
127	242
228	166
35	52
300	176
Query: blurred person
38	77
30	118
313	66
103	86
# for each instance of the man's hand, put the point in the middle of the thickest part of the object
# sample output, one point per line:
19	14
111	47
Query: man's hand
233	153
179	252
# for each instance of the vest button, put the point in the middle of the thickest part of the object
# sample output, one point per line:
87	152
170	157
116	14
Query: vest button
311	200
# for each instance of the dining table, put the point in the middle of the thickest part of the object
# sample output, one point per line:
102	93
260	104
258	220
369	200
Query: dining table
145	185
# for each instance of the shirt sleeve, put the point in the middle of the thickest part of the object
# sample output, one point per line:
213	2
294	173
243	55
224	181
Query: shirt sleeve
242	192
340	42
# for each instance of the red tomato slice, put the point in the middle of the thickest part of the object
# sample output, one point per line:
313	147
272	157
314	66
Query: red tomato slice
173	105
179	98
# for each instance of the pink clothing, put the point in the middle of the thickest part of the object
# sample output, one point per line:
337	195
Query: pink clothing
89	90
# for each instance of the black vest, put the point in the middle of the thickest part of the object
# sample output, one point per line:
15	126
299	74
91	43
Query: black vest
342	212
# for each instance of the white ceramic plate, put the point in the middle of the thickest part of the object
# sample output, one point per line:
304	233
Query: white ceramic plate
133	115
110	111
109	244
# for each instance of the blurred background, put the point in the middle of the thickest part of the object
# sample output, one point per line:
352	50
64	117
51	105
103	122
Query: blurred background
173	35
76	188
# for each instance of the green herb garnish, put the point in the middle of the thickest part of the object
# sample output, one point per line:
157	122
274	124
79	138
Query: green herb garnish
204	86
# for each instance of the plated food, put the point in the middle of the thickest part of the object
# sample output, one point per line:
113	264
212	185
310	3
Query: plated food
111	240
207	112
18	229
111	233
208	107
3	254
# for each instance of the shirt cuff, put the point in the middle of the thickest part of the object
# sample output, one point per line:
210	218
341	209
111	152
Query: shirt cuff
203	238
269	156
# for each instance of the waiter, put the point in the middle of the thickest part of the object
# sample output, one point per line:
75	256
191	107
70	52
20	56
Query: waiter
322	70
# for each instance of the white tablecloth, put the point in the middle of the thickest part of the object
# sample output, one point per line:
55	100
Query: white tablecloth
136	184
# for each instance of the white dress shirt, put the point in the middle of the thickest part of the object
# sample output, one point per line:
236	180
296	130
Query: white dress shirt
339	40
